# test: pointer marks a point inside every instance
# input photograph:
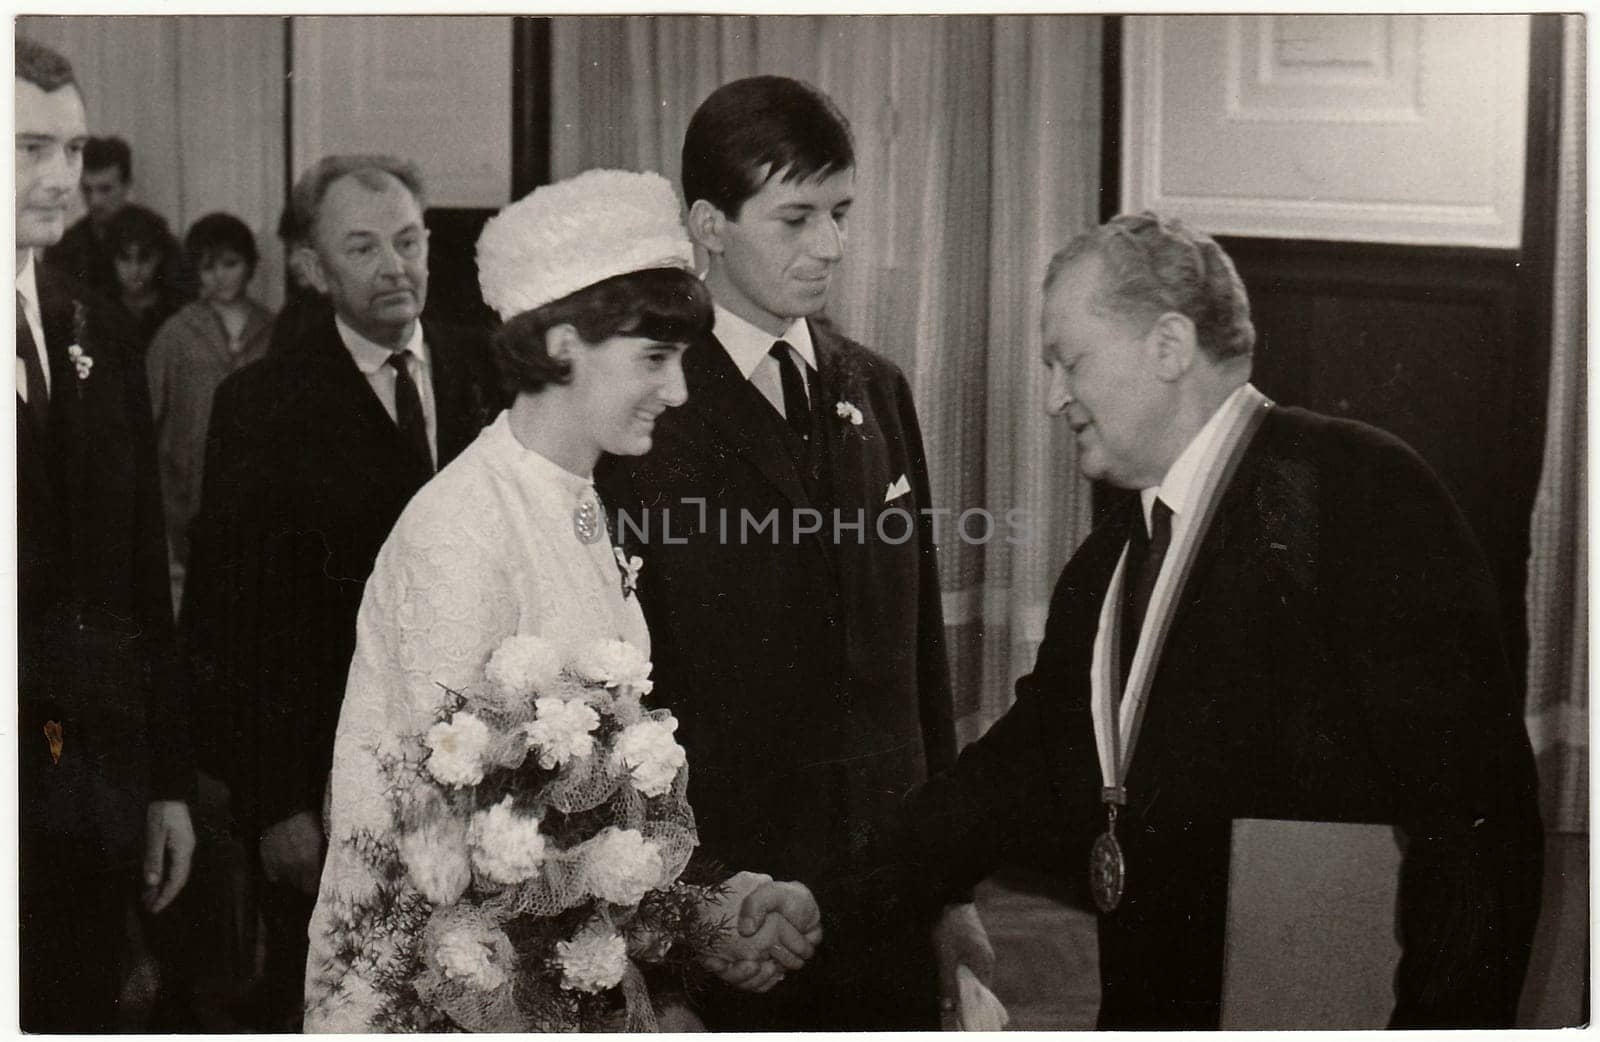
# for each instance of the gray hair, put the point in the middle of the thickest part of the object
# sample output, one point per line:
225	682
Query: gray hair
305	202
1154	265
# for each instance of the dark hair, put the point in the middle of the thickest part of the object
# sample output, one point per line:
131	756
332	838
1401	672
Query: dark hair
1156	264
39	65
666	304
134	225
216	232
100	153
751	130
305	201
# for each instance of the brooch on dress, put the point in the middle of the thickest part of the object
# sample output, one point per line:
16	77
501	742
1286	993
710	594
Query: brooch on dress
629	567
586	519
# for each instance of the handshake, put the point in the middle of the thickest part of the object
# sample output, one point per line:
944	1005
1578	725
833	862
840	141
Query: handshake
772	928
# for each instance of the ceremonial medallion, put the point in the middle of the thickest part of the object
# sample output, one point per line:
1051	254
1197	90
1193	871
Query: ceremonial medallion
1106	871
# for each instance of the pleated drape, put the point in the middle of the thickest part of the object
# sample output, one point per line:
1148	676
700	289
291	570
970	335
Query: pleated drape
978	150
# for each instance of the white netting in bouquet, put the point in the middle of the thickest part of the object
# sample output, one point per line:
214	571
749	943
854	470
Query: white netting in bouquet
645	847
468	963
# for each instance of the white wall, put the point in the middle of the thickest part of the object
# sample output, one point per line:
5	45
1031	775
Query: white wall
434	90
1388	128
200	101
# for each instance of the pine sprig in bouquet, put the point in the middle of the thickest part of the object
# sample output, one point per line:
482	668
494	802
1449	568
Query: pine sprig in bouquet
543	836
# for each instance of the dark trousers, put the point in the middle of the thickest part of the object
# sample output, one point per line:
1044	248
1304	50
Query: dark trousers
78	862
278	1004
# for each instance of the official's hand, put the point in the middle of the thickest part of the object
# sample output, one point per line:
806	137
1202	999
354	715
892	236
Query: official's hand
767	943
168	852
291	852
959	939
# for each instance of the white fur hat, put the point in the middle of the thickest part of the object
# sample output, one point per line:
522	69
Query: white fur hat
562	237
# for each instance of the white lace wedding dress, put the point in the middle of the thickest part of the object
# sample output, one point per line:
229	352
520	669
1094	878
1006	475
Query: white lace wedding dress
488	549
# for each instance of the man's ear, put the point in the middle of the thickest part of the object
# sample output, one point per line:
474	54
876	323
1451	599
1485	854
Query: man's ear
706	223
311	267
1172	344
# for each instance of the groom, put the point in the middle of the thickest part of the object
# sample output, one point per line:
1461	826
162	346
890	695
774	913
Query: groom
801	652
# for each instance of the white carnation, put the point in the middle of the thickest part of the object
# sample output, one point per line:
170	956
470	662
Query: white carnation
507	847
650	755
614	663
523	666
561	731
457	750
592	961
622	866
435	857
466	954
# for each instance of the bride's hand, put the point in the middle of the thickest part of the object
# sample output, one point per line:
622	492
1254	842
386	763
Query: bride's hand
779	927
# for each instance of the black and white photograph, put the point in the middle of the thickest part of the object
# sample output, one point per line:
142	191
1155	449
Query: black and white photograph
653	521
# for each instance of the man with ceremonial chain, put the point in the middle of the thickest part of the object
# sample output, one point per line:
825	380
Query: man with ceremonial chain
1290	620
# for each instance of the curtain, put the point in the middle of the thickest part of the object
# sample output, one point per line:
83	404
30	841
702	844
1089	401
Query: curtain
200	100
1558	603
977	150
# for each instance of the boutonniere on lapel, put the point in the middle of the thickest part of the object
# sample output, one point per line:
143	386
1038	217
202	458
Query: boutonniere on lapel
81	360
628	568
847	412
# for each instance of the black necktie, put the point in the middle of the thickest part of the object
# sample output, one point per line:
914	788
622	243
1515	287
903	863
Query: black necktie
796	407
1145	554
408	413
28	351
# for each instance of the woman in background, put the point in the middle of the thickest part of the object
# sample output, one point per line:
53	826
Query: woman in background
190	356
144	256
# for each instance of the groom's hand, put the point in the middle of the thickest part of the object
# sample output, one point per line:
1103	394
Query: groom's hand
790	914
767	942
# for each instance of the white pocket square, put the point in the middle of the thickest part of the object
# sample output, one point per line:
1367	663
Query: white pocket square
899	487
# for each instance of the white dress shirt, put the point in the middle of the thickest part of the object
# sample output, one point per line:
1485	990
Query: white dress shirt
28	287
1178	491
373	361
749	346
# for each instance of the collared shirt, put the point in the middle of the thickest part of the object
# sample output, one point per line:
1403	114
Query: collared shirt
1178	491
373	361
749	346
28	286
1177	486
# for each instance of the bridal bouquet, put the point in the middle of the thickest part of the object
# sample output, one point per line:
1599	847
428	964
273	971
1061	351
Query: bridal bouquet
541	840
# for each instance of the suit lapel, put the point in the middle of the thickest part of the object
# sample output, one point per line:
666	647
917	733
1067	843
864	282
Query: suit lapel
733	408
454	409
361	428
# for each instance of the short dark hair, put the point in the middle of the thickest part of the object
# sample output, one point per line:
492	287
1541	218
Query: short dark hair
751	130
44	68
305	201
1155	264
100	153
666	304
216	232
134	225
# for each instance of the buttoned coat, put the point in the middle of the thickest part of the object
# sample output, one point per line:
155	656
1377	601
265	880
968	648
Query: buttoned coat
806	668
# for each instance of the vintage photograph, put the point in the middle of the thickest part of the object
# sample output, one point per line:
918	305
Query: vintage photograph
801	522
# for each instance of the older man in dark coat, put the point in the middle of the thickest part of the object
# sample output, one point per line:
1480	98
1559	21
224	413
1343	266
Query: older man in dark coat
313	452
1289	621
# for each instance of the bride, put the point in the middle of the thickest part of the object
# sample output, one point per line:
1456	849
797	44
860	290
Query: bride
507	828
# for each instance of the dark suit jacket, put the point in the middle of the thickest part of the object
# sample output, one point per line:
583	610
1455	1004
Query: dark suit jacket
305	474
1335	657
809	676
83	261
94	614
